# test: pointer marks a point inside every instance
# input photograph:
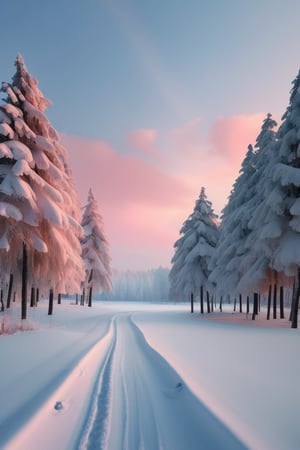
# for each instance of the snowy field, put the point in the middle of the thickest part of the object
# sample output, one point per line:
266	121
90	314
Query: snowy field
123	376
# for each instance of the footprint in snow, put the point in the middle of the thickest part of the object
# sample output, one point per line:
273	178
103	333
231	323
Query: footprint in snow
58	406
172	392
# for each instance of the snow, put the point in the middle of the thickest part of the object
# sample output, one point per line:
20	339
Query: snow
130	376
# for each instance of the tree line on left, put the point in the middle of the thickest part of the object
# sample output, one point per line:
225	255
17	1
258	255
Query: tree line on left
47	245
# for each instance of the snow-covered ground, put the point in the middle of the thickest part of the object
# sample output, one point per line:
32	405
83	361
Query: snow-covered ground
143	376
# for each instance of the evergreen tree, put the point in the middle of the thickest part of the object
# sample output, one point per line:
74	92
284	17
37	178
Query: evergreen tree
95	249
225	264
255	266
36	182
281	232
193	251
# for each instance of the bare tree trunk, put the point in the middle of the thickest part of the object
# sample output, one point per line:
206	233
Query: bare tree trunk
241	303
76	297
9	292
269	302
255	305
293	298
248	304
296	302
1	300
32	297
24	283
90	295
82	297
212	303
201	300
220	305
234	304
59	299
91	288
50	306
281	302
37	296
207	302
192	302
275	302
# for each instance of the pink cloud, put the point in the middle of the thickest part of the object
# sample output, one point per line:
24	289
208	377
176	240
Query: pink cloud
230	136
188	138
144	202
134	196
143	140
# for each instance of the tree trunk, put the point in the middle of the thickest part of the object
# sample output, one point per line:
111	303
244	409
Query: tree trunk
1	301
275	302
212	303
24	283
32	297
296	302
90	295
207	302
281	302
9	292
201	300
255	305
82	297
220	305
248	304
50	306
59	299
37	296
76	297
241	303
234	304
269	302
293	298
192	302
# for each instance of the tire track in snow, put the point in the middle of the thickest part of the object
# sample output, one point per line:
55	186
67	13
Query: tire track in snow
96	427
142	404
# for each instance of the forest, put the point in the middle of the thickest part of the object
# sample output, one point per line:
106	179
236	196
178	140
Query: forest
50	245
254	252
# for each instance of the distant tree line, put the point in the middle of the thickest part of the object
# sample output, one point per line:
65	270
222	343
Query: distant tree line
255	251
139	286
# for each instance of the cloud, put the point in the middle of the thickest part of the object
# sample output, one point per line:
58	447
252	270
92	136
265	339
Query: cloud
136	199
229	137
143	140
188	138
145	201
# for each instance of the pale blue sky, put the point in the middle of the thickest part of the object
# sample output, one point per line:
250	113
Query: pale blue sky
112	66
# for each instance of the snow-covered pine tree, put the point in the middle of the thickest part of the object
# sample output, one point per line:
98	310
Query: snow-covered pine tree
255	265
193	251
225	269
281	231
95	249
42	190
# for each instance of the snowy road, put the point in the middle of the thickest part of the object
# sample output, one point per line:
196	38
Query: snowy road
116	392
142	403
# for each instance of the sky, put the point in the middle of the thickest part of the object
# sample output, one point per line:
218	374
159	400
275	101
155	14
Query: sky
155	99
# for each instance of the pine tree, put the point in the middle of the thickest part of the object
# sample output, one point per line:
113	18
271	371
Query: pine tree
225	264
255	264
282	227
38	184
193	251
95	249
